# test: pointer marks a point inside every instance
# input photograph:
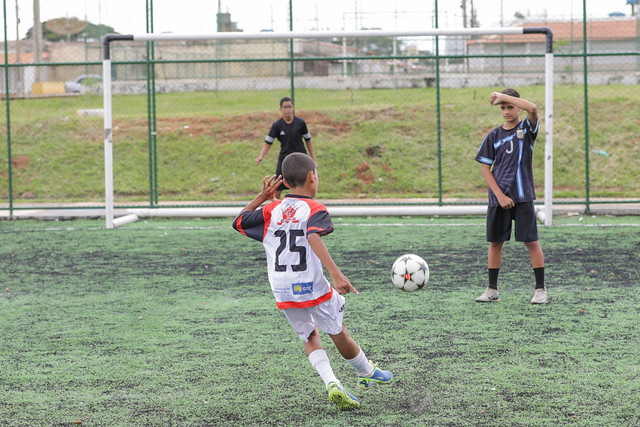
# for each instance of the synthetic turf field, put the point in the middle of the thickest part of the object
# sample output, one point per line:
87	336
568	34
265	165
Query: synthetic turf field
173	323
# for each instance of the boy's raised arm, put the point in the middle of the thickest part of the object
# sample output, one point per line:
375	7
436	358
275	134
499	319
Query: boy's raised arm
497	98
269	186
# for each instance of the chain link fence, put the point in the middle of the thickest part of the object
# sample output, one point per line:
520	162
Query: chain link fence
394	119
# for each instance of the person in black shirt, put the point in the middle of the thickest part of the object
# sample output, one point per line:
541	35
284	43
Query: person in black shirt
506	157
292	132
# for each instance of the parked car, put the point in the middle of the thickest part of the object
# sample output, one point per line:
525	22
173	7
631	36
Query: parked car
83	83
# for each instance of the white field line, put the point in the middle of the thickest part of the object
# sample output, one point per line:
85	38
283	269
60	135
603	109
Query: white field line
220	227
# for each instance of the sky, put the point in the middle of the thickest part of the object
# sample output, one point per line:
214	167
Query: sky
199	16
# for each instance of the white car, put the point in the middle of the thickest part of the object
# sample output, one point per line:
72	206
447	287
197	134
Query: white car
84	83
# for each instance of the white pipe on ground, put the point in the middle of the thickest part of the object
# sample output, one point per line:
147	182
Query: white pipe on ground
127	219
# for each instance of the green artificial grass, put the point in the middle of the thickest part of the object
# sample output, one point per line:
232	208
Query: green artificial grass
173	323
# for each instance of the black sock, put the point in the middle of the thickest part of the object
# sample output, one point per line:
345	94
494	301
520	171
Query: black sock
539	272
493	278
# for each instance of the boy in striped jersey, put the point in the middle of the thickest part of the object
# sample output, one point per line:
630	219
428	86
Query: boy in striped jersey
291	231
506	156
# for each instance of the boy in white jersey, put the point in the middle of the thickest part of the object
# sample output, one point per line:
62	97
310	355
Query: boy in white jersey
290	230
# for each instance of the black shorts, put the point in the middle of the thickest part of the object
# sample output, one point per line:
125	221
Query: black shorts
279	172
279	169
499	223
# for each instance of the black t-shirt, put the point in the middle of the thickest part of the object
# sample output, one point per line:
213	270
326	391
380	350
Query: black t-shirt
291	136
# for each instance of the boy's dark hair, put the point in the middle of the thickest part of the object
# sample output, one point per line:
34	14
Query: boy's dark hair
286	99
508	91
296	167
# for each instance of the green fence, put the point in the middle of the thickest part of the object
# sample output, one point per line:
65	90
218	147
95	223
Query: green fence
397	120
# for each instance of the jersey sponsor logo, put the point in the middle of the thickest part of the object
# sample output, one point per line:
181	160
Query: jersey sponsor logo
302	288
282	132
341	309
288	216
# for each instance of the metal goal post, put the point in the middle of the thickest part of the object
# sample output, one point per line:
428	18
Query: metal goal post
545	215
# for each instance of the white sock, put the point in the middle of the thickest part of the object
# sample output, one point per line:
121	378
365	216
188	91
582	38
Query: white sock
320	362
361	364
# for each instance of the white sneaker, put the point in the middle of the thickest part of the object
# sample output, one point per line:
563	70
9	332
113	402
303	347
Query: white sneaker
489	295
540	297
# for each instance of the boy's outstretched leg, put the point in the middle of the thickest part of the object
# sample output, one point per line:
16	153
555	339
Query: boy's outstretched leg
368	373
378	376
339	395
318	358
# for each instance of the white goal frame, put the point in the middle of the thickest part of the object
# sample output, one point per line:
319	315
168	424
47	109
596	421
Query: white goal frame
545	215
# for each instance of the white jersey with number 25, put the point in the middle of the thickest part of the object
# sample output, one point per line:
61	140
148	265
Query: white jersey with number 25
295	272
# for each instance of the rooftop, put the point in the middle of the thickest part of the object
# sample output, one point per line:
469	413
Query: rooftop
597	29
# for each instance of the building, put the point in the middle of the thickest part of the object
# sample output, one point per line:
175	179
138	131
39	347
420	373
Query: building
21	78
610	35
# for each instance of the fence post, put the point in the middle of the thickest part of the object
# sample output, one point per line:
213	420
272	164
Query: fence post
8	109
152	128
586	104
438	118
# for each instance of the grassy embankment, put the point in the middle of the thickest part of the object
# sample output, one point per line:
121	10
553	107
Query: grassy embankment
377	143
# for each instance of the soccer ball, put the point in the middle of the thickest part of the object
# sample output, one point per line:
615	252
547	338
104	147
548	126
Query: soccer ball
410	273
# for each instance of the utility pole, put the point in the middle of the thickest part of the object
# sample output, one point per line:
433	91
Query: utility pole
472	18
464	13
37	37
17	34
19	69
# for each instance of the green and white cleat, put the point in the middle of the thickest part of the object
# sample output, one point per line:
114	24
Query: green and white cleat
377	377
339	395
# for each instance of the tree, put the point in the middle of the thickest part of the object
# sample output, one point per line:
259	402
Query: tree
91	31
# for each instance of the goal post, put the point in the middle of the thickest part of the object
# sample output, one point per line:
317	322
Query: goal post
545	215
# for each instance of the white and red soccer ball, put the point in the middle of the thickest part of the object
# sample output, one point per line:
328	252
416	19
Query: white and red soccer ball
410	273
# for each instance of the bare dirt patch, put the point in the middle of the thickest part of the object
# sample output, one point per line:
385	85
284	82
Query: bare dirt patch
20	162
232	128
364	174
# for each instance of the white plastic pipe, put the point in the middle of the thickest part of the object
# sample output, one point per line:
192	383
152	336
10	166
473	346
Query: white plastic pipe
127	219
185	212
329	34
108	145
548	145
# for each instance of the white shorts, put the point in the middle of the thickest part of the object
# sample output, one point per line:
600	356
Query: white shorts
326	316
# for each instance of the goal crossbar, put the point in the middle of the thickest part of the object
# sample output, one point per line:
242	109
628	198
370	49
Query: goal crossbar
545	215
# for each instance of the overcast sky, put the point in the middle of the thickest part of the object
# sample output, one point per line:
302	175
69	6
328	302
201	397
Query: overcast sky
199	16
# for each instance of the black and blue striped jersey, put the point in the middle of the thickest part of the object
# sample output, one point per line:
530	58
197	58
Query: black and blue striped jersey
510	153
